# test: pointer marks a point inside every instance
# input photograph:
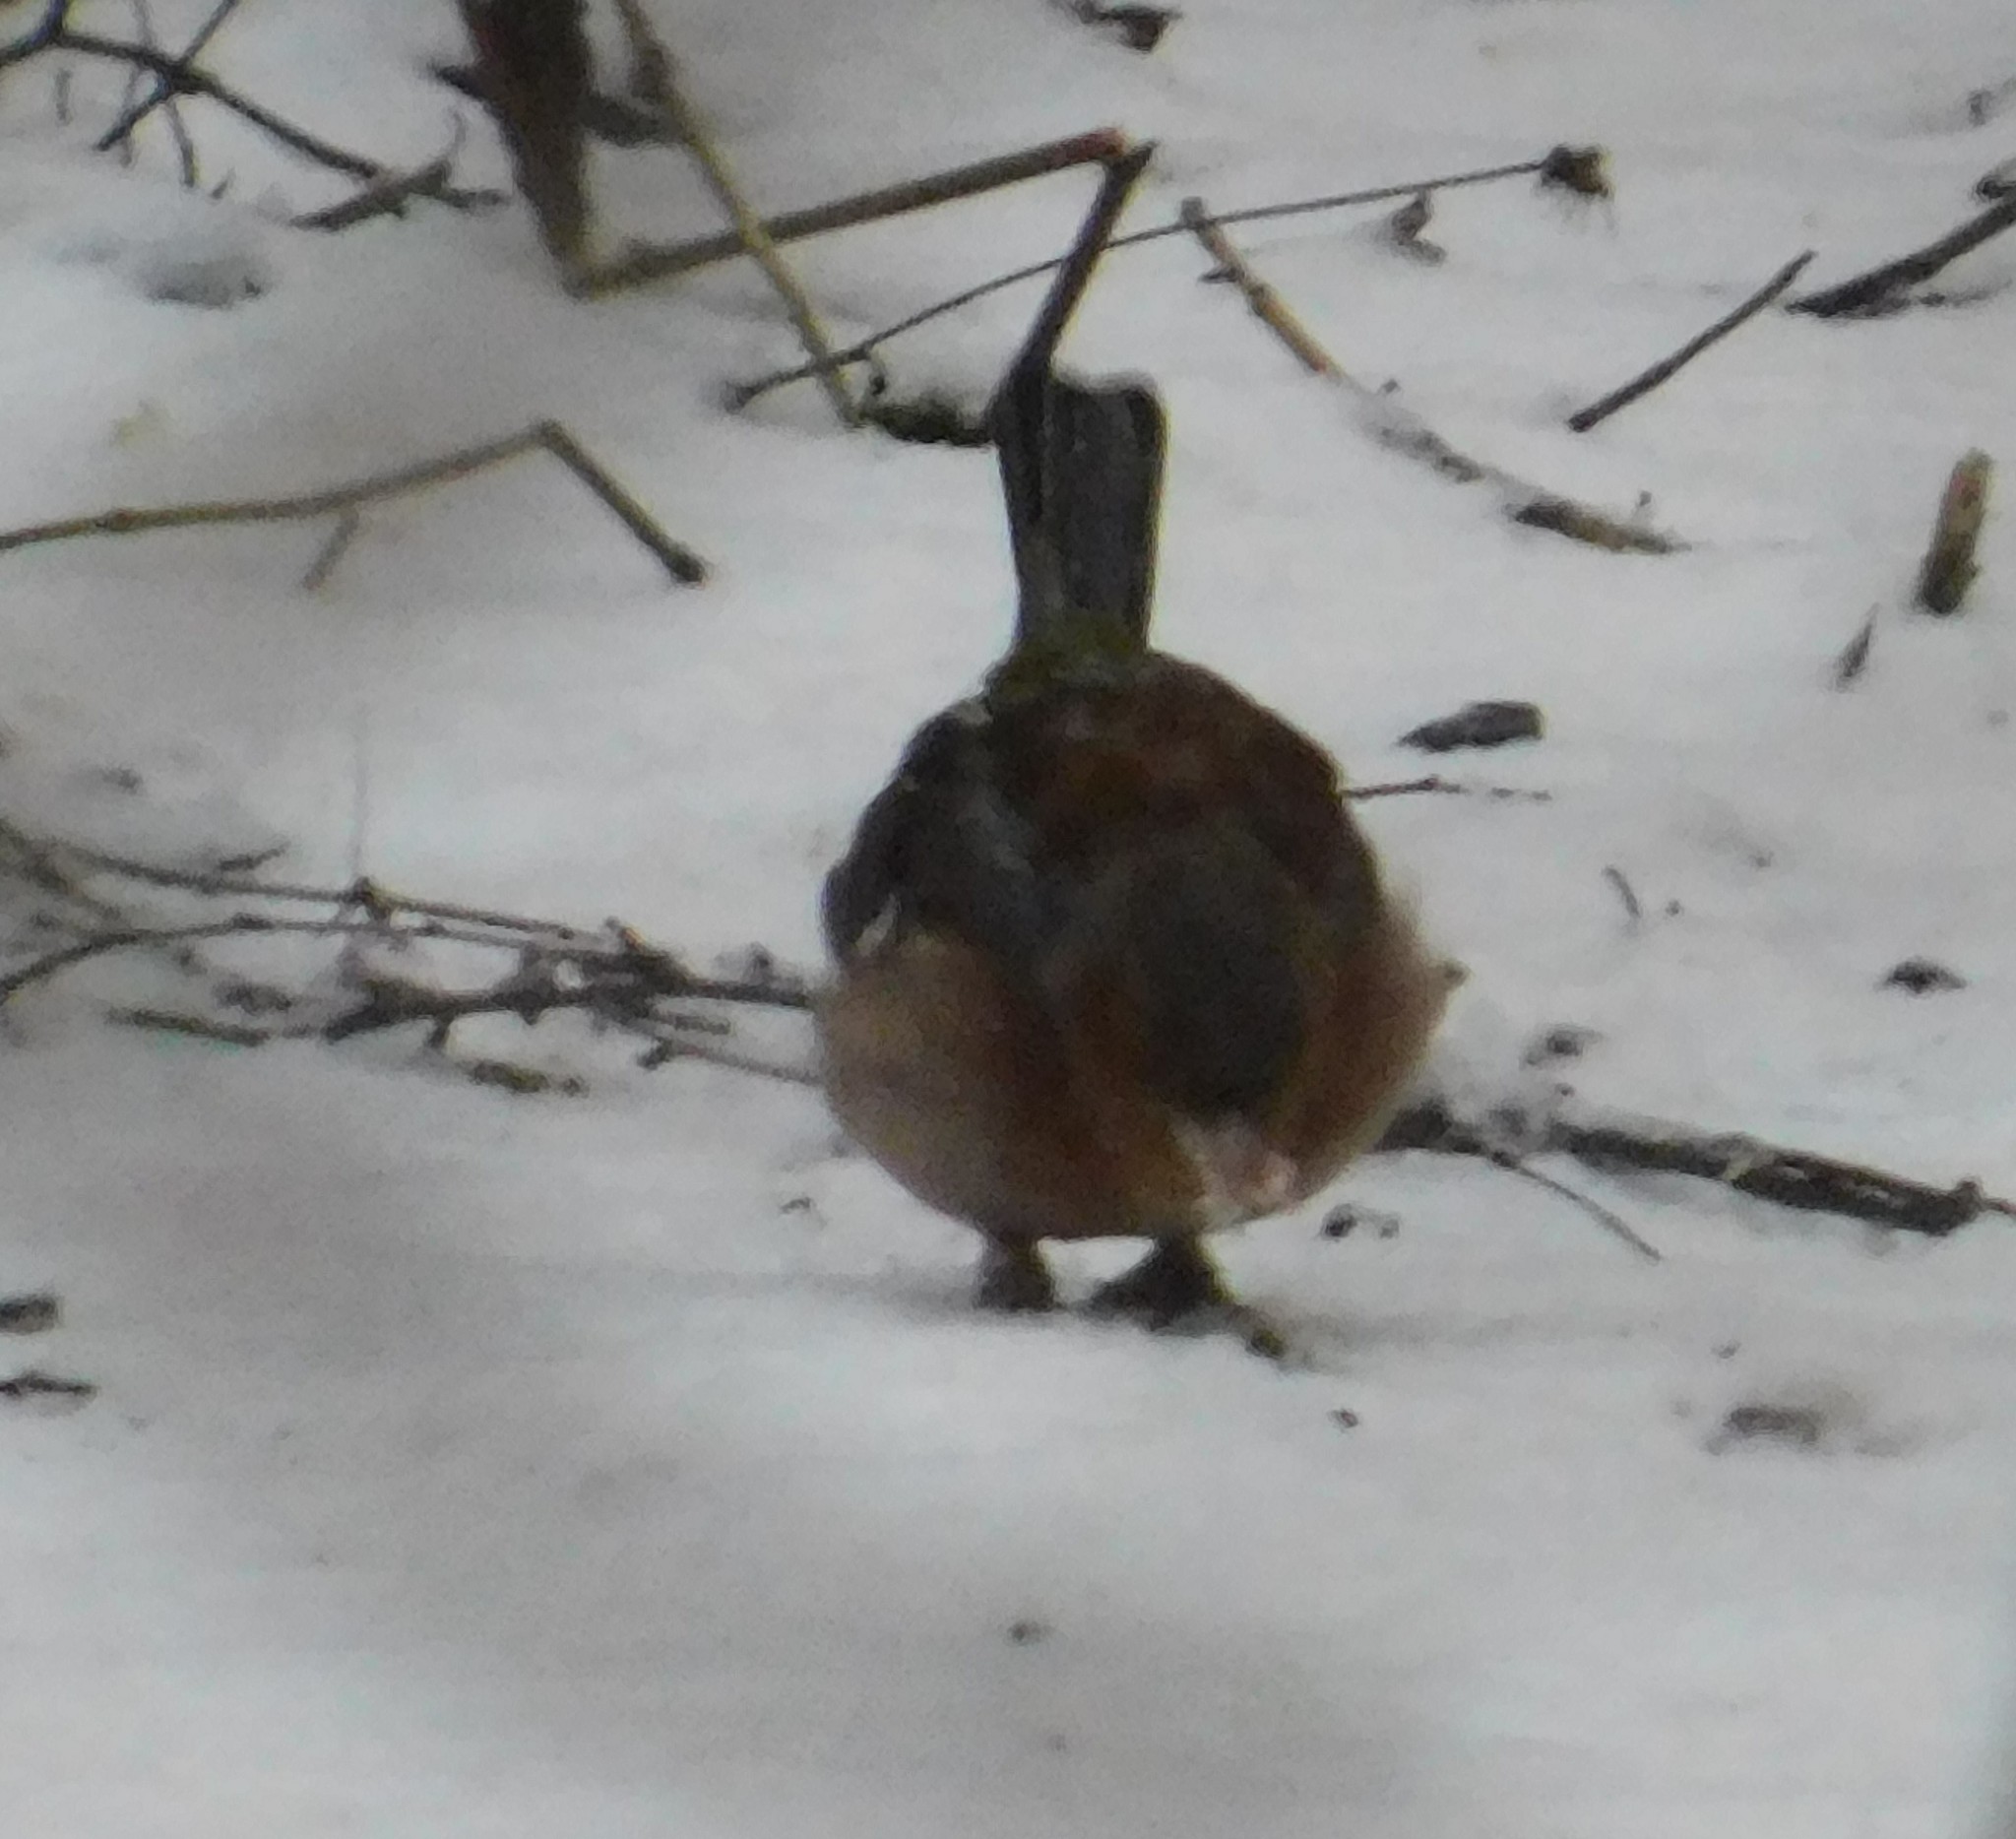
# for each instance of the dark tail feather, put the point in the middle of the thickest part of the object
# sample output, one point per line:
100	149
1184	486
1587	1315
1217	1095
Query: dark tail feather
1081	467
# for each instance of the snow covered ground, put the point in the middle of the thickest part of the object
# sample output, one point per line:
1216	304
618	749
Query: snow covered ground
631	1463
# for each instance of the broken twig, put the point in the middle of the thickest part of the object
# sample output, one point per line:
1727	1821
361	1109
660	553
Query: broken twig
1854	657
678	561
389	192
1558	166
1883	290
1790	1177
1402	432
1648	380
1454	788
654	82
643	261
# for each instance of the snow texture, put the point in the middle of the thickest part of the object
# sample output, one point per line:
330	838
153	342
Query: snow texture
632	1462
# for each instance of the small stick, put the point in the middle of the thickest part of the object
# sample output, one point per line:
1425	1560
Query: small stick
1634	912
1854	658
178	128
164	90
1434	782
611	944
745	393
642	262
190	81
1611	1221
1790	1177
332	549
1583	420
678	561
1074	273
1948	569
389	192
654	83
1407	434
1877	289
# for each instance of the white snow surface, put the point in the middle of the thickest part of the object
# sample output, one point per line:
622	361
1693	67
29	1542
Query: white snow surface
632	1462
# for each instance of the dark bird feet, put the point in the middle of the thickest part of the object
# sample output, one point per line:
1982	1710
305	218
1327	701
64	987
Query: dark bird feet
1015	1279
1176	1286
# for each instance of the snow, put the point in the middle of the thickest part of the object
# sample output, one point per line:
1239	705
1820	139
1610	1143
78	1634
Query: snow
632	1462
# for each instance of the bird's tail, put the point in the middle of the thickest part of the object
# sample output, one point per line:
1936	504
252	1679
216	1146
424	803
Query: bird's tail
1081	469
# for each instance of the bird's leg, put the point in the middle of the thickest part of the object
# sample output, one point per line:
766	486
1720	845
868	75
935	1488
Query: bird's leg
1178	1278
1177	1282
1014	1277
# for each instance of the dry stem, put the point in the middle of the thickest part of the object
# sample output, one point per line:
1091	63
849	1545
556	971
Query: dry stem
648	262
859	352
1881	289
654	83
1648	380
1402	432
678	561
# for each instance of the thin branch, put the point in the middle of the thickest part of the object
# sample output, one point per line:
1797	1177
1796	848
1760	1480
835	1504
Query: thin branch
164	90
1880	290
342	532
389	192
1402	432
655	82
1611	1221
1648	380
1074	273
642	262
1454	788
1790	1177
366	909
178	128
678	561
859	352
190	81
40	37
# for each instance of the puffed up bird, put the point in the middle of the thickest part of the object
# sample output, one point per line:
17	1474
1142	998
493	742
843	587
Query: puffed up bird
1113	957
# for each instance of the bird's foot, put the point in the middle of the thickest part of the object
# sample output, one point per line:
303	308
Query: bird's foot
1014	1279
1177	1287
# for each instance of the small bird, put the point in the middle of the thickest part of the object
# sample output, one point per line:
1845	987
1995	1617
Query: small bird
1112	958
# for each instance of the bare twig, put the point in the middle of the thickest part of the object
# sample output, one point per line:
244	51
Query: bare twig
1881	289
178	75
164	90
1434	782
1648	380
654	82
1611	1221
1404	433
859	352
188	80
389	192
642	262
1854	658
178	128
40	37
1628	896
342	532
1790	1177
678	561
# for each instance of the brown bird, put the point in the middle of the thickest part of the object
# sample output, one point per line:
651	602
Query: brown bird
1113	959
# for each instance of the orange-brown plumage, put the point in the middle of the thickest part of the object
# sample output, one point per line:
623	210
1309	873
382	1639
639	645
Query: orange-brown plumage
1113	957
